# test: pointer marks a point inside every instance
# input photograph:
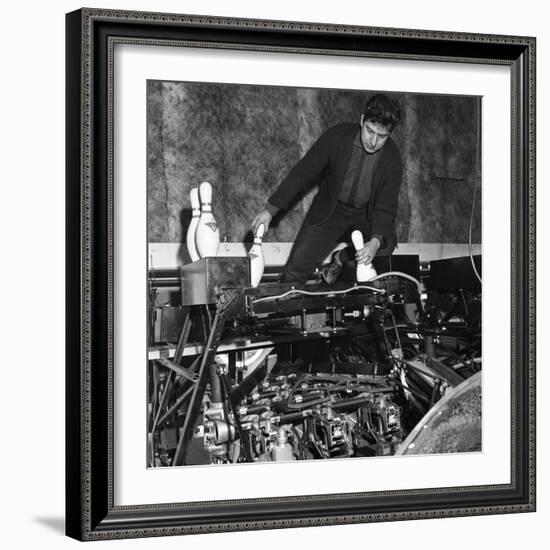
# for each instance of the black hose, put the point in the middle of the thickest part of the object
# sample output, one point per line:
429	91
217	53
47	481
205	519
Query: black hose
257	409
242	434
305	404
351	403
285	418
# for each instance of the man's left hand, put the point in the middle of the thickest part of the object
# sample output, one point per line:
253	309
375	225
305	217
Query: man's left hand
368	252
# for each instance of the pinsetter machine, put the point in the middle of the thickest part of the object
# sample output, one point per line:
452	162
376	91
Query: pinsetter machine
282	372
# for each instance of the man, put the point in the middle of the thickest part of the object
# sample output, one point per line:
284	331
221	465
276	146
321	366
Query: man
358	171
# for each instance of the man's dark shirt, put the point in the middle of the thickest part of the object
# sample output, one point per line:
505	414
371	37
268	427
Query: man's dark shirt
357	183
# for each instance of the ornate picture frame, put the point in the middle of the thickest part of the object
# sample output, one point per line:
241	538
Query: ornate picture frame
92	35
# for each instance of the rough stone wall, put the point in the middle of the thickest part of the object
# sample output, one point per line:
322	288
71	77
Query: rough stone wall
440	148
244	140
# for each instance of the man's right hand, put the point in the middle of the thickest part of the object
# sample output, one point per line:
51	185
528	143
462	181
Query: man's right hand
263	217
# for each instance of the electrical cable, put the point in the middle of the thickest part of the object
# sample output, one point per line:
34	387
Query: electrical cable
399	274
473	209
324	293
470	236
299	443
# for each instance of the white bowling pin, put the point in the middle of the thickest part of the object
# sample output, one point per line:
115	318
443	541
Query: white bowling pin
365	272
256	256
207	236
192	229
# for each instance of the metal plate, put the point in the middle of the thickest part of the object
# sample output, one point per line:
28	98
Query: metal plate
202	280
453	425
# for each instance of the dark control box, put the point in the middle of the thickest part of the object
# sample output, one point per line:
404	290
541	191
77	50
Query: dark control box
454	273
405	263
202	280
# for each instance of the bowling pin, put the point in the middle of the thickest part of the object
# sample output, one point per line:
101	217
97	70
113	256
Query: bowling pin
207	236
365	272
256	256
192	229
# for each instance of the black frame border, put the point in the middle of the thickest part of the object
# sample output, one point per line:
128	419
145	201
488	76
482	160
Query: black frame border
90	38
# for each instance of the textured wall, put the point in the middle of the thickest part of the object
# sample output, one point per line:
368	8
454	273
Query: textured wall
440	147
244	139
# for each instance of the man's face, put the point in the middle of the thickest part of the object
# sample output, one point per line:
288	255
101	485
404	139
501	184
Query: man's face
373	135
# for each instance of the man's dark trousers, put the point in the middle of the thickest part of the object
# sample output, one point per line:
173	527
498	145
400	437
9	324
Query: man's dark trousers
314	242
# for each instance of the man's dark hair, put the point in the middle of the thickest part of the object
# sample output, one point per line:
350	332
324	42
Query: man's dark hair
383	110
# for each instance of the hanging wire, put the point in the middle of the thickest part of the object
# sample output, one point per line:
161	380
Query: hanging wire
476	177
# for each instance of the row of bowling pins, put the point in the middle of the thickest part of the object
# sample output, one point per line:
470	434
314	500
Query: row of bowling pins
203	234
203	237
